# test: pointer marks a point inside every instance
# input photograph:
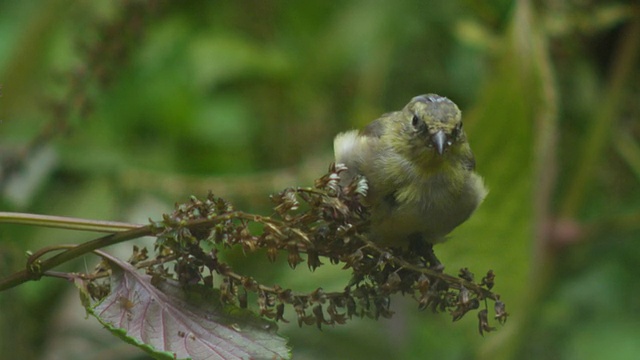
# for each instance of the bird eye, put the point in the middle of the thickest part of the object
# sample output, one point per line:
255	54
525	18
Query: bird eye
456	132
416	122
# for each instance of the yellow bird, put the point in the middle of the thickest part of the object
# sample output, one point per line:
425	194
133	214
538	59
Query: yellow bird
420	171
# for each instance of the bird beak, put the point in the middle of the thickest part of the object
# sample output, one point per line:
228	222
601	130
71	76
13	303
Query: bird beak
439	140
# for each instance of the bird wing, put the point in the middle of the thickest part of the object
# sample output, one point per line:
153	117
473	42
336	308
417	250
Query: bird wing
375	128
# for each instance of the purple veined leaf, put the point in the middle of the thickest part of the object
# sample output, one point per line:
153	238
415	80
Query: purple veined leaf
169	322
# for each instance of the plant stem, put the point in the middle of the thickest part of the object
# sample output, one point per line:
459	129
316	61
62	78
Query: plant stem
22	276
131	232
63	222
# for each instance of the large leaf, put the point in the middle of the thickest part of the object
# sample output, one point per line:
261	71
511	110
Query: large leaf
169	322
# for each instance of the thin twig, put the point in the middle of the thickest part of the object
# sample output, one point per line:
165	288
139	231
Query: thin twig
63	222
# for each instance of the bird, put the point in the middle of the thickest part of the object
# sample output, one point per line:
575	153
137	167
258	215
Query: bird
420	171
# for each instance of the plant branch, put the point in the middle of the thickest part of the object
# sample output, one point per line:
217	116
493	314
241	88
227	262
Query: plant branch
23	276
63	222
132	231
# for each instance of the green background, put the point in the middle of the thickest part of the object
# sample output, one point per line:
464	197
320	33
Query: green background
116	110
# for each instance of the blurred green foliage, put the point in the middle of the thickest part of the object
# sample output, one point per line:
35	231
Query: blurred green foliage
116	110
